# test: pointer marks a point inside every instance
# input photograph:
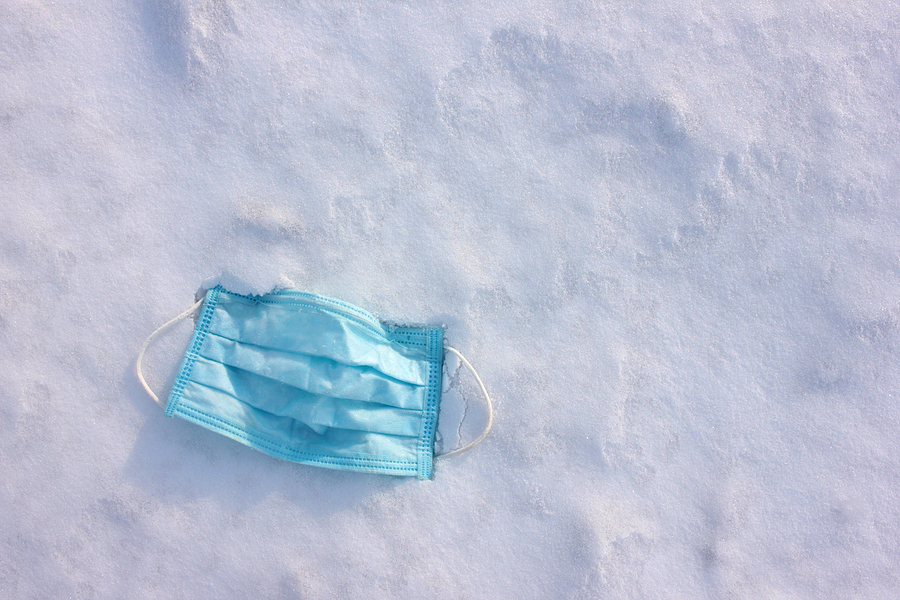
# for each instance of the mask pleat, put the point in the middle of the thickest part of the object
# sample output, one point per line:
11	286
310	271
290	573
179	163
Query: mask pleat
318	412
289	437
315	374
322	334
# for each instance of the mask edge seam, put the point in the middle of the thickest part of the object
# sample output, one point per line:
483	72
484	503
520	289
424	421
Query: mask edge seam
193	352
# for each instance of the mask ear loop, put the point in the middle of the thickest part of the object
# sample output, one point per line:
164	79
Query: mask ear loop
162	328
490	408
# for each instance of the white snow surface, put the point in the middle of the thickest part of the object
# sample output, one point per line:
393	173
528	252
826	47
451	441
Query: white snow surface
667	234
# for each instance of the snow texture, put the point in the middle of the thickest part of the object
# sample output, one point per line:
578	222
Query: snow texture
666	234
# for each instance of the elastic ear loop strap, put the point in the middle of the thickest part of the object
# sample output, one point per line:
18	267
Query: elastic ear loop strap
162	328
490	408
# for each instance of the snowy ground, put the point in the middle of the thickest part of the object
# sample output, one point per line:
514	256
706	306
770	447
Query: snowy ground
666	235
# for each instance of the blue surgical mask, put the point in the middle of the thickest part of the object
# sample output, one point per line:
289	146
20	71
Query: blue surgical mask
313	380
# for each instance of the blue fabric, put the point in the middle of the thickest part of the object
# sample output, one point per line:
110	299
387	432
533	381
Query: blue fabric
313	380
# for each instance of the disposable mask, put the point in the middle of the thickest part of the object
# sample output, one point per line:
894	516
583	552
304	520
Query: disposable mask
313	380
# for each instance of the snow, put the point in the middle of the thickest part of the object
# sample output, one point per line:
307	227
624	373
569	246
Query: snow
666	235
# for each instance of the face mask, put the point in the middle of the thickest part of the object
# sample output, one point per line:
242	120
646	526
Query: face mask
313	380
